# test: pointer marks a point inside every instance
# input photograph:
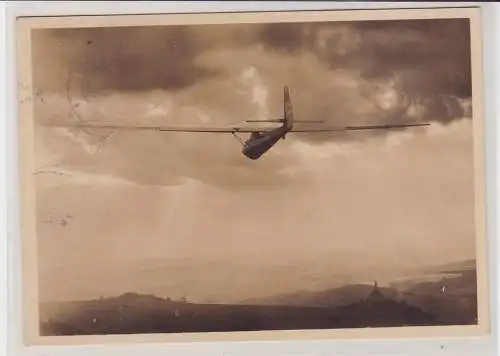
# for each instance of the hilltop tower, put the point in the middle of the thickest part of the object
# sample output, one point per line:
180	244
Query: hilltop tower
375	294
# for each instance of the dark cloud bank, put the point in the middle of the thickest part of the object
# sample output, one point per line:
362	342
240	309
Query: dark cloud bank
431	58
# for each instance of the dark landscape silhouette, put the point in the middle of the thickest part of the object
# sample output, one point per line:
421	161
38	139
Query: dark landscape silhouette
449	300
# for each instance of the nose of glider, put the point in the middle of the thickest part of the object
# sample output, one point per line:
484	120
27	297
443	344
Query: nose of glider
251	153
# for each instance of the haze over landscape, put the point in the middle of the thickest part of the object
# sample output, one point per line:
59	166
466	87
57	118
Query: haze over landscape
187	215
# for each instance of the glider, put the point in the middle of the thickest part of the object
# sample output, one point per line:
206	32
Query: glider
263	138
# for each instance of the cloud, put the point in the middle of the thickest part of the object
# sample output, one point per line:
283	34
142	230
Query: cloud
129	58
254	82
57	176
107	58
439	140
429	60
435	51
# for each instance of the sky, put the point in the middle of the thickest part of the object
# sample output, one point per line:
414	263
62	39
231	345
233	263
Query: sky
187	215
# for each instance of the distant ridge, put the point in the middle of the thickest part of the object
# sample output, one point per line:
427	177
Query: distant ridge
132	313
327	298
450	300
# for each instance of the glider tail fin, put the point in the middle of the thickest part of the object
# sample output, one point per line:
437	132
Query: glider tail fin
287	110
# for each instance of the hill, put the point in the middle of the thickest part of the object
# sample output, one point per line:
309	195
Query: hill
137	314
332	297
377	310
454	305
453	299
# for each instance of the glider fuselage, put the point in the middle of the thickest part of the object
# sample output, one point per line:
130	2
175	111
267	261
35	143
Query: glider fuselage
260	142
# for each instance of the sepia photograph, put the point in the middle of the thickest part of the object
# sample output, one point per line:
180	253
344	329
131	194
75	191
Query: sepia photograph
230	174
